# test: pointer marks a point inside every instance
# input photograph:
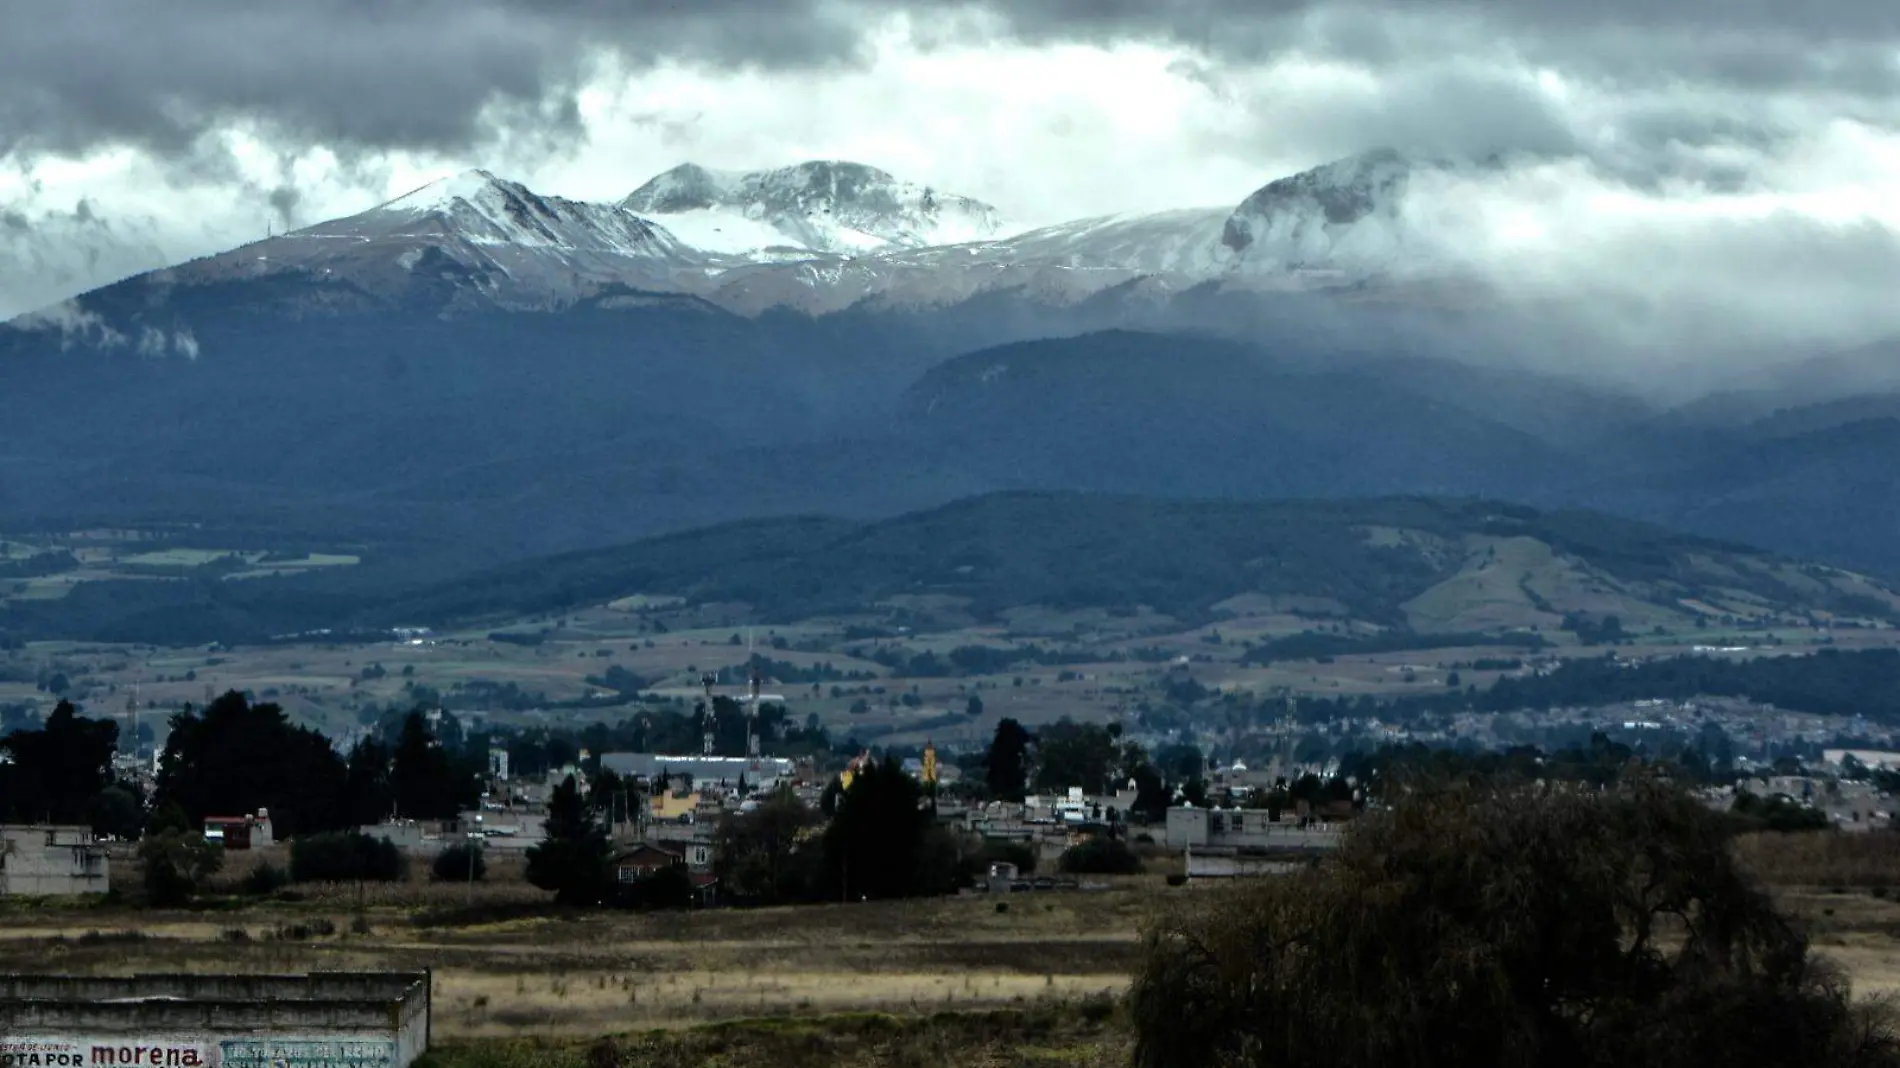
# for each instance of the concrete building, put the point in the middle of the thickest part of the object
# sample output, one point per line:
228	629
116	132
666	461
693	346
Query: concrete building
52	862
1213	828
320	1020
692	841
758	772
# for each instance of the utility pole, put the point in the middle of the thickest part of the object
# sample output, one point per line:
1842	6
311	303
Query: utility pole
474	842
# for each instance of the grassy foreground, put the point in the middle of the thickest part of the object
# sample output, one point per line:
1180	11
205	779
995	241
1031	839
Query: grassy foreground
959	980
1081	1035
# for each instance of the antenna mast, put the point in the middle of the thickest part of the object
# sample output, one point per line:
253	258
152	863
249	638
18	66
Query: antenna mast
132	706
755	680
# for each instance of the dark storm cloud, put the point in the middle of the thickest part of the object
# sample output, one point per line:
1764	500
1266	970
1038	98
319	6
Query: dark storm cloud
1232	22
420	74
454	74
283	200
1842	46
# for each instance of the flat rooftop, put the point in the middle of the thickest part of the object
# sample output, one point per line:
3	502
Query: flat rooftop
379	987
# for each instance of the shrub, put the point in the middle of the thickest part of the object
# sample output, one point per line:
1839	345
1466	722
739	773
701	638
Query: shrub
111	938
667	888
1100	856
303	932
1096	1008
175	863
455	864
266	879
345	857
1510	925
976	862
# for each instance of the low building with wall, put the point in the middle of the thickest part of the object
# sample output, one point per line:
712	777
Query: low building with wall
52	862
1246	829
241	832
320	1020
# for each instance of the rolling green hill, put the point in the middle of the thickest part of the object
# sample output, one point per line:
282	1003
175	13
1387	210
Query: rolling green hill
1421	564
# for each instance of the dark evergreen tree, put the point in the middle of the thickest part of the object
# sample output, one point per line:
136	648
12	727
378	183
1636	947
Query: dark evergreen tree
372	796
572	861
883	842
237	758
1007	770
423	777
58	771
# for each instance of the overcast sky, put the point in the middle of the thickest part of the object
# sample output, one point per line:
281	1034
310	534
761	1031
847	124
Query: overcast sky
1735	150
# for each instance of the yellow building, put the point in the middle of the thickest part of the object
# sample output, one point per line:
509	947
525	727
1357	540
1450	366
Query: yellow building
671	806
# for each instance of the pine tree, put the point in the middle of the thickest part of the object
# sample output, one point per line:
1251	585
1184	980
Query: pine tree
572	861
1008	764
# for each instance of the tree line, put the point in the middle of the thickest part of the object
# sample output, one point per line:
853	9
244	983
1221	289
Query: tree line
232	759
1830	682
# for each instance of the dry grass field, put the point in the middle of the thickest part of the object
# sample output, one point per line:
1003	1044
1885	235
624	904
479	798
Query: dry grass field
591	973
951	980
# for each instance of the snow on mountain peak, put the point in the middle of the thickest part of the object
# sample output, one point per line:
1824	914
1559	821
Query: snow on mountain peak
1347	209
467	187
831	207
687	187
482	209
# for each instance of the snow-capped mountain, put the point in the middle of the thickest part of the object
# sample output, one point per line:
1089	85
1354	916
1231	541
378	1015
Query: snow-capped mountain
468	241
1338	224
1344	209
1058	265
817	237
1356	219
823	206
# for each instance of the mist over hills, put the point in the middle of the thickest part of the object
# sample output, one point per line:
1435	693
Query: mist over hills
475	373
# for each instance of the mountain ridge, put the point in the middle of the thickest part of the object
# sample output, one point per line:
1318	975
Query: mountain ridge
1394	568
795	234
1391	562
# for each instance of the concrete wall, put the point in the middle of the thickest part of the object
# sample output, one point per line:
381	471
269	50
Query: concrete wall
1195	828
323	1020
1232	865
52	862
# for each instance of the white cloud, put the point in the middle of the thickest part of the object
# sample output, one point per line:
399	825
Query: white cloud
1685	204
